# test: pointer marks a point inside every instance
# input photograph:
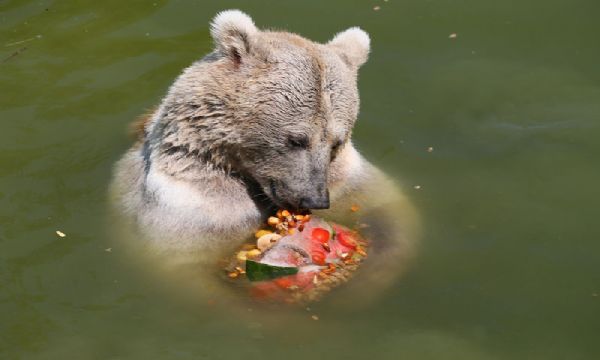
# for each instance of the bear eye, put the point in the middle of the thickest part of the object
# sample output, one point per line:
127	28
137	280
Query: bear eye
298	142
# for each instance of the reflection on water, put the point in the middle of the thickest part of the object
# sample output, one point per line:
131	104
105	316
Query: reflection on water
507	266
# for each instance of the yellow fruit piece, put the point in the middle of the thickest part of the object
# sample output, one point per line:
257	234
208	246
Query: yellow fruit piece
253	254
266	241
261	233
242	256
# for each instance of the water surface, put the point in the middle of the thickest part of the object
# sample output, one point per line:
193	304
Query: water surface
508	263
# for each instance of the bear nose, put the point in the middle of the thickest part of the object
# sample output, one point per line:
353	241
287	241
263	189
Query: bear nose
315	202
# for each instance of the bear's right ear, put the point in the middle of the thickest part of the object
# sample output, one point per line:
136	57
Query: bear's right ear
233	32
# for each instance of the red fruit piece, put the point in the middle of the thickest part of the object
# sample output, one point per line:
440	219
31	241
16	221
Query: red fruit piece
284	282
320	235
318	257
346	239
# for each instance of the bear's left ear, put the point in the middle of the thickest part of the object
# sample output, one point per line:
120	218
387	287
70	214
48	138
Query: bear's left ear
233	32
353	45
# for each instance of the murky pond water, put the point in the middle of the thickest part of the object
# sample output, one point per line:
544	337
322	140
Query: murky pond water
508	261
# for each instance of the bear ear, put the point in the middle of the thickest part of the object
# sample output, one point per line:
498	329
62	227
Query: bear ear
352	45
232	32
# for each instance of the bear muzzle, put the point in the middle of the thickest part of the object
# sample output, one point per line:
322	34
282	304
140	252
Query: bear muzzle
319	201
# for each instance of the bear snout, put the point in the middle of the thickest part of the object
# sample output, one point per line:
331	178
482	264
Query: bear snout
288	195
320	201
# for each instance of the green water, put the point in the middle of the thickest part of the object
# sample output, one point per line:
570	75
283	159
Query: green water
509	259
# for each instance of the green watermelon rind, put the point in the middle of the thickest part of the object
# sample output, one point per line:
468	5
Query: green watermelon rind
256	271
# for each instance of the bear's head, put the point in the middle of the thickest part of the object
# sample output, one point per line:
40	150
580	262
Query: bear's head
272	106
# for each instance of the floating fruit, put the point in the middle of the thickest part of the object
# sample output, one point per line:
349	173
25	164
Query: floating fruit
253	254
260	233
266	241
273	221
321	235
346	239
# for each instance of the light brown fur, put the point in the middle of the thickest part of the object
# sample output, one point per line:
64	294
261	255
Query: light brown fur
264	121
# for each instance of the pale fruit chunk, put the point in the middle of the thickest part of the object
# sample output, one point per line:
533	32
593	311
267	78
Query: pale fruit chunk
266	241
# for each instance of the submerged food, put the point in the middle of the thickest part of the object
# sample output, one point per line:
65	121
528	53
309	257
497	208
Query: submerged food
299	260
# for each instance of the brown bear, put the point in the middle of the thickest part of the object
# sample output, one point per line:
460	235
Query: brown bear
263	122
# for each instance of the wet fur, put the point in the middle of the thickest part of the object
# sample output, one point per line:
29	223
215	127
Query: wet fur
213	159
137	127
